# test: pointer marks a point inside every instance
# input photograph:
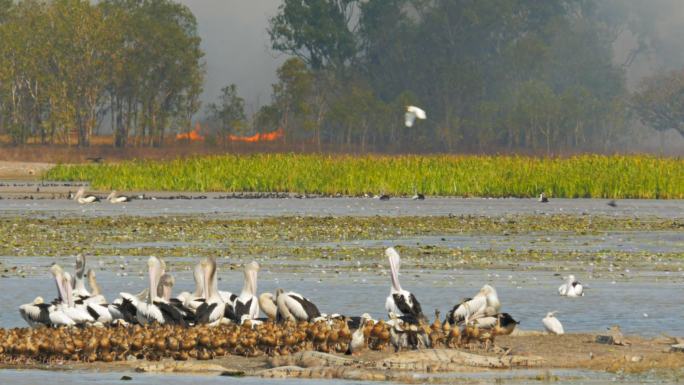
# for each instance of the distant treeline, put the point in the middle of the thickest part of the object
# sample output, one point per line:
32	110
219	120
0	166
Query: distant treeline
494	75
65	65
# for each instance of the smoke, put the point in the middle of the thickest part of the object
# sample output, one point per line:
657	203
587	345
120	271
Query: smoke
657	26
237	48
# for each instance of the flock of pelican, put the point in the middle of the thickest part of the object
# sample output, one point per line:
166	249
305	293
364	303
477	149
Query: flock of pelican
81	197
292	322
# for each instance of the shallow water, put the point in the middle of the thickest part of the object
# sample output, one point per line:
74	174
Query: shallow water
621	297
517	377
33	377
267	207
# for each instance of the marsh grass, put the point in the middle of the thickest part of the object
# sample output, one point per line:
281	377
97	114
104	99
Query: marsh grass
582	176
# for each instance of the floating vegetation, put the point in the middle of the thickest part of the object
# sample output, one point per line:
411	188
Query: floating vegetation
584	176
425	240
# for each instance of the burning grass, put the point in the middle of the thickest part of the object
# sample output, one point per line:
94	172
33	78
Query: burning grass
583	176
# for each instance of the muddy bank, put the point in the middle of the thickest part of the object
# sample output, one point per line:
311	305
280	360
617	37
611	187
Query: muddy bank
23	170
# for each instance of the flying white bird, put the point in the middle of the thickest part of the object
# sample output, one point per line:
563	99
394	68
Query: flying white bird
552	324
413	112
571	288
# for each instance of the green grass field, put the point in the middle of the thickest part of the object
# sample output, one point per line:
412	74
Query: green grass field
584	176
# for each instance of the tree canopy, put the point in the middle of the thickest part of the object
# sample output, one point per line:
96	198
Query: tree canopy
67	64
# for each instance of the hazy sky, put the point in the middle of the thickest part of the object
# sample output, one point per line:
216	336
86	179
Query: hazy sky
237	47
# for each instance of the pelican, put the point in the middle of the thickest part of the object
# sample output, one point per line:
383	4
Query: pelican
82	198
552	324
95	296
38	314
543	198
156	310
413	112
123	309
114	198
79	314
400	300
212	310
195	299
267	303
571	288
294	307
247	302
78	286
485	304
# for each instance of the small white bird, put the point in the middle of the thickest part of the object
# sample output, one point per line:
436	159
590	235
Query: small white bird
552	324
413	112
571	288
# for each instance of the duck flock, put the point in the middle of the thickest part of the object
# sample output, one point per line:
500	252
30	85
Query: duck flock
81	325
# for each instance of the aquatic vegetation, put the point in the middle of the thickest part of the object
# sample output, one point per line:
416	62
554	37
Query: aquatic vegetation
583	176
345	241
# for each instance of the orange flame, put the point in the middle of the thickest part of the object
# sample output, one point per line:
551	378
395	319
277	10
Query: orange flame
259	137
193	136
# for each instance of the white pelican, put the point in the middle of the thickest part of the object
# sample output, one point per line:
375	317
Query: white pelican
400	300
571	288
38	314
82	198
294	307
78	285
114	198
79	314
95	292
543	198
484	304
268	305
156	310
552	324
195	299
212	310
413	112
247	302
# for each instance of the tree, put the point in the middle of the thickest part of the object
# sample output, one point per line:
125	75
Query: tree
229	112
316	31
659	101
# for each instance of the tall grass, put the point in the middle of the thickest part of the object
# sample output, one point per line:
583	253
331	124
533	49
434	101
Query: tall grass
582	176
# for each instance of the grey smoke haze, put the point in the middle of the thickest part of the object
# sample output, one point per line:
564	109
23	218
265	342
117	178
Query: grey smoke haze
663	22
237	48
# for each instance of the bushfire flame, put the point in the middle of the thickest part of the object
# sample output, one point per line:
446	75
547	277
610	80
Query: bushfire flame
259	137
193	136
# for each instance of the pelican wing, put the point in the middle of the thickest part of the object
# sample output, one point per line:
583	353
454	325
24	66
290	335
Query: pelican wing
301	307
485	322
203	313
407	306
242	308
170	314
58	318
229	313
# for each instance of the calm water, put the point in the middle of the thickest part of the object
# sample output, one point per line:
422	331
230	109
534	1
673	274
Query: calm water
245	208
619	297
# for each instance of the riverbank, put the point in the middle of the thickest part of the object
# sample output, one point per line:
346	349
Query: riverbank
533	356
